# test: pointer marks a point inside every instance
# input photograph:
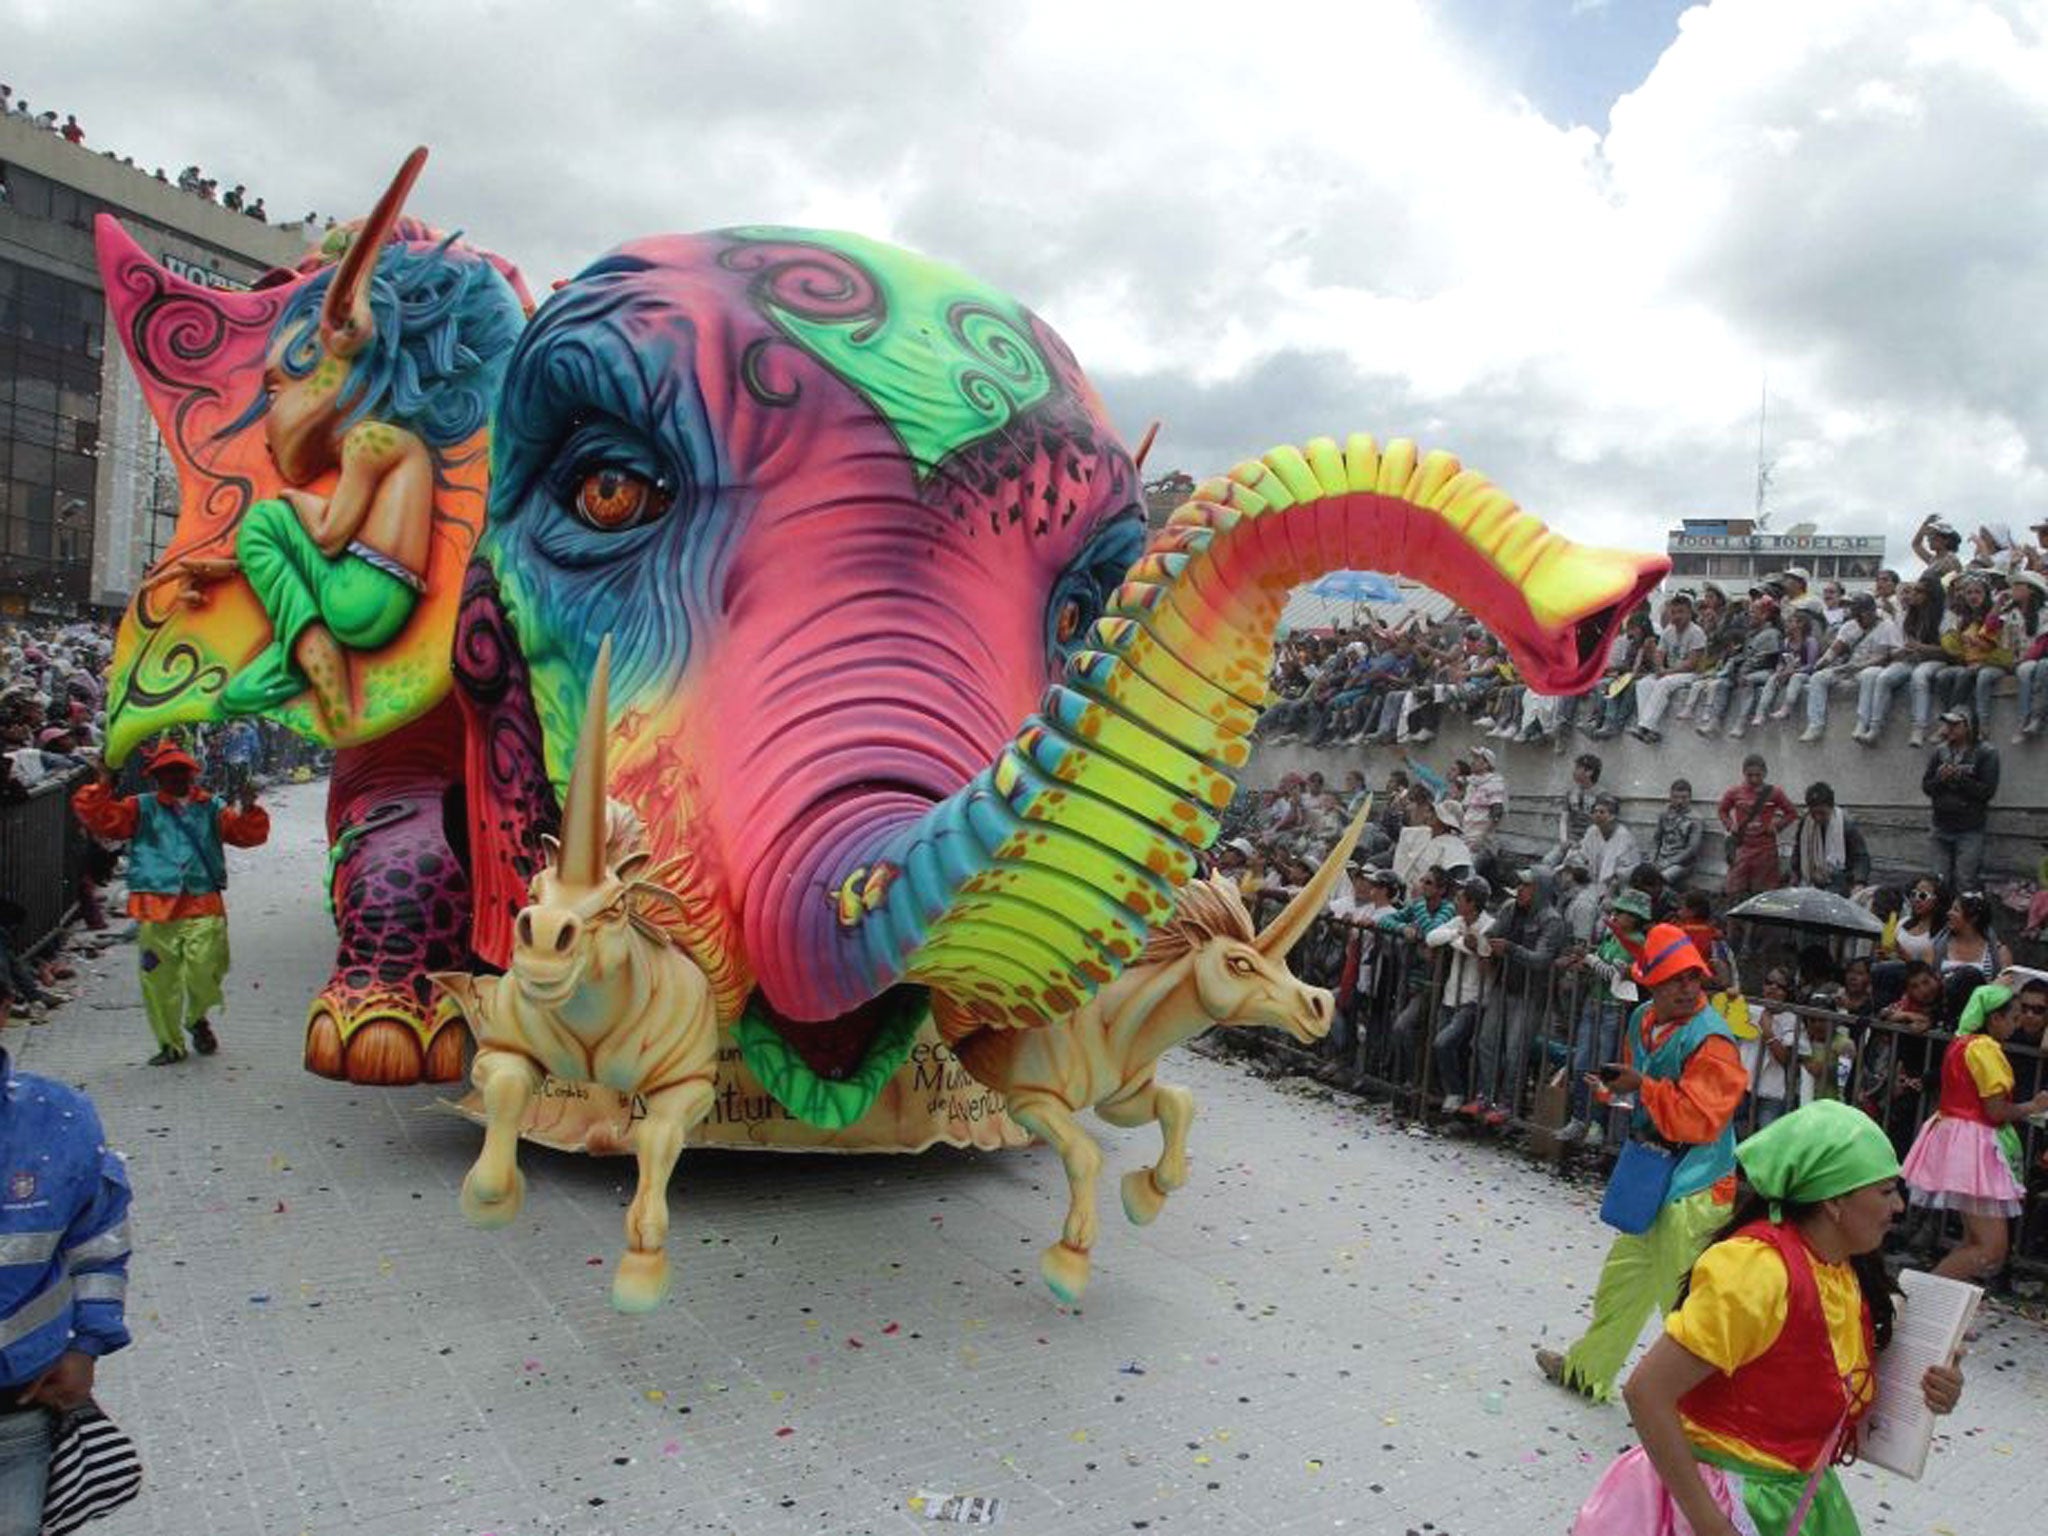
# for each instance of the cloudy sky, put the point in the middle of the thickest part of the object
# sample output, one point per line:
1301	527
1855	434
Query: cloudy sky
1567	239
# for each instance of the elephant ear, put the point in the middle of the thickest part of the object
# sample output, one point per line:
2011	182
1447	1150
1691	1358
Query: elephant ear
198	642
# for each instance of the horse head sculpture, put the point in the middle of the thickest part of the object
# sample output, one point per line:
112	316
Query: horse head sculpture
1203	967
600	990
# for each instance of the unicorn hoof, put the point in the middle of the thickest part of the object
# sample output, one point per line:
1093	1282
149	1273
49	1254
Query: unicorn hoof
1065	1269
641	1283
1143	1198
482	1212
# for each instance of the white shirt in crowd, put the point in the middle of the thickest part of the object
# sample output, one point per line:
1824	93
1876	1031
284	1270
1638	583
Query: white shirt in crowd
1467	971
1611	858
1773	1078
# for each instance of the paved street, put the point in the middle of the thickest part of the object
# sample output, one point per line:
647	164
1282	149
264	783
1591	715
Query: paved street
1328	1329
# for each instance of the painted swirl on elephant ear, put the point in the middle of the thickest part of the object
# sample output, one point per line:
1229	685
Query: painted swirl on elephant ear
188	347
888	324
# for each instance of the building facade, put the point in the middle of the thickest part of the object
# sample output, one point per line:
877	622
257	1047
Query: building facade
1731	553
87	494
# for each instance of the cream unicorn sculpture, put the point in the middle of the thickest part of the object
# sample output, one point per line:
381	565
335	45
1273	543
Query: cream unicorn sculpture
599	991
1206	966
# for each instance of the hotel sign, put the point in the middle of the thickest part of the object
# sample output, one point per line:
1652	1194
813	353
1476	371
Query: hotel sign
1780	543
205	277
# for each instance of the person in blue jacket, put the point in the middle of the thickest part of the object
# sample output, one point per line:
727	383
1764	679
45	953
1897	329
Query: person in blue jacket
63	1275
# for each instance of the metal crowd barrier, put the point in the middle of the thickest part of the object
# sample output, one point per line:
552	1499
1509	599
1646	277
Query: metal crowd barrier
1390	1013
42	861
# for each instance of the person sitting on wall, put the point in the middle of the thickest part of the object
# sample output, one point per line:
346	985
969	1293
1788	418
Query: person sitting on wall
1828	850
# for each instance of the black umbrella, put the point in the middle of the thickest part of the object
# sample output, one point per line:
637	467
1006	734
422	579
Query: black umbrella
1811	910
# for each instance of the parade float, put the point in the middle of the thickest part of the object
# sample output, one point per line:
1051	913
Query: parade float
922	725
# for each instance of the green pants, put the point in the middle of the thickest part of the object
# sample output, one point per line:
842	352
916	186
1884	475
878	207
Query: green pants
363	606
183	962
1641	1276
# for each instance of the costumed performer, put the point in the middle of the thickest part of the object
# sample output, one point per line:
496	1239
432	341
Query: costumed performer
1753	1393
1688	1080
1957	1163
177	870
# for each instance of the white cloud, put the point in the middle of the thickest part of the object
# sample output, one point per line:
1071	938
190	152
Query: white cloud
1259	222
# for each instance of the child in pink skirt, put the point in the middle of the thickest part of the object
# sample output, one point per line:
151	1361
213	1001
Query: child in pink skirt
1956	1163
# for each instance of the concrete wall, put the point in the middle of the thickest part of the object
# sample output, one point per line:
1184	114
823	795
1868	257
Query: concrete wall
1880	784
139	195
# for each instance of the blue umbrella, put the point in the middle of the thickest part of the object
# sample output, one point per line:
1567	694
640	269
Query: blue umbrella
1357	587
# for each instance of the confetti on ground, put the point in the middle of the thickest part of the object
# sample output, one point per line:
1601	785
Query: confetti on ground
955	1508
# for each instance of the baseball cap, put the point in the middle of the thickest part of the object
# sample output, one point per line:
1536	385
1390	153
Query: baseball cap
1959	716
1633	902
1796	573
1450	812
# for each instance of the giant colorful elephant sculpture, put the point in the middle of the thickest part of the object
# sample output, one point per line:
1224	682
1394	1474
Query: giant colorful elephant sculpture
903	687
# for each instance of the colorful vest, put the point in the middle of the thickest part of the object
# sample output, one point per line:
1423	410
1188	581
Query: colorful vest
1960	1099
177	850
1708	1163
1789	1401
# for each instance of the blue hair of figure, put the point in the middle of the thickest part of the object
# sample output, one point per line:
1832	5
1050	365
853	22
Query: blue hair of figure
445	323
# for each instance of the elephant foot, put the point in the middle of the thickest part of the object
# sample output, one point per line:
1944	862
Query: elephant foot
1143	1198
381	1040
1065	1269
642	1282
482	1211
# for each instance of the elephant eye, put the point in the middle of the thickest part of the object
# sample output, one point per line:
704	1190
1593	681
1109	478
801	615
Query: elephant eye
1070	621
1084	587
611	498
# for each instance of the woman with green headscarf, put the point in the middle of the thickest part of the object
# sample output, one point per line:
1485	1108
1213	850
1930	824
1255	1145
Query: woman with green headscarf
1957	1163
1755	1388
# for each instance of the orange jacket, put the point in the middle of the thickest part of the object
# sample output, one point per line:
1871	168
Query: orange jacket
109	816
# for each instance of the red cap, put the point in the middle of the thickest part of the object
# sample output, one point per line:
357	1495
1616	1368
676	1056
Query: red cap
168	754
1666	953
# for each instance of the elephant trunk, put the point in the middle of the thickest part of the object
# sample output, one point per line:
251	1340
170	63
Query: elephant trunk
1036	882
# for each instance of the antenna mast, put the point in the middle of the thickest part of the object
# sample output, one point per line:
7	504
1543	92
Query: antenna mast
1763	465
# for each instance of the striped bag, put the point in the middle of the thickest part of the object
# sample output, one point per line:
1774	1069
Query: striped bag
94	1470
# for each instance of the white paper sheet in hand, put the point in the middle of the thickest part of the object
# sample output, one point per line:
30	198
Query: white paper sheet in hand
1933	1316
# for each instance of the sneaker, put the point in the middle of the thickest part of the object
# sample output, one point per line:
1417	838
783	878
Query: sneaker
1449	1105
204	1041
169	1056
1483	723
1595	1135
1571	1133
1811	733
1737	731
1917	739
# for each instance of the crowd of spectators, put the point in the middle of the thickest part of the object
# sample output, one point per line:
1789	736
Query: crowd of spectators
236	198
1451	950
1718	662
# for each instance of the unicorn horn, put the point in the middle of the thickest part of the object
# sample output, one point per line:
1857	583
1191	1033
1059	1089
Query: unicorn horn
583	813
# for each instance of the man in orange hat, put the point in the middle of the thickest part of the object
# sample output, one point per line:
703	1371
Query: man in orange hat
177	870
1688	1081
